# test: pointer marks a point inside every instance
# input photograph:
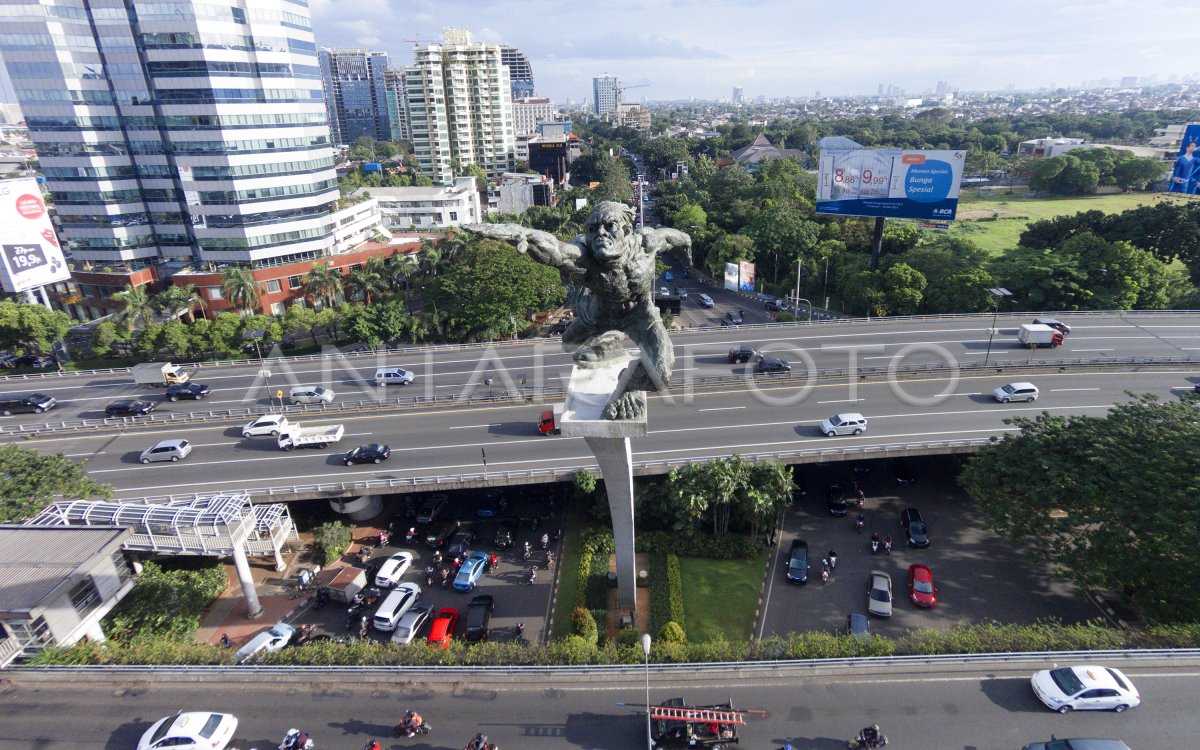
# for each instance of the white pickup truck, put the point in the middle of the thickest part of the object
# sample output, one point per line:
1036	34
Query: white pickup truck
295	436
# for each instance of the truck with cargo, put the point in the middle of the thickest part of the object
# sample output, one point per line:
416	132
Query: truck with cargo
342	583
320	436
1033	334
158	374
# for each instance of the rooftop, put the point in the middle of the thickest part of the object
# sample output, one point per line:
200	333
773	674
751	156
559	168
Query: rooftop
36	561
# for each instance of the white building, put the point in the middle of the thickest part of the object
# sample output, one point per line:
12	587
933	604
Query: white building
528	112
408	208
606	95
459	107
1047	147
356	224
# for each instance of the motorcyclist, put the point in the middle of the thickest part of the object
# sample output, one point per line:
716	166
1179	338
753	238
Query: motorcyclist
411	722
870	737
832	559
478	742
887	543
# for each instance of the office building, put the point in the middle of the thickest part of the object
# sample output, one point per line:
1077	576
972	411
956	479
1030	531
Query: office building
459	107
520	72
408	208
356	94
737	95
177	132
393	84
528	112
606	95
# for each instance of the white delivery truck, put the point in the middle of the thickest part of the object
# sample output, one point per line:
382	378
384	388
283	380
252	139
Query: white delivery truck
158	374
1033	334
296	436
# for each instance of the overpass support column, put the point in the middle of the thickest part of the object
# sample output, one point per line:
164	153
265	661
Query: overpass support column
582	416
242	566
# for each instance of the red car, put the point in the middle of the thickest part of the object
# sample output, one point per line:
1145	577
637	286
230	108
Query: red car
920	586
441	631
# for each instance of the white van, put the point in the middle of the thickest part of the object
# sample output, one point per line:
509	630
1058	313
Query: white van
400	600
310	394
393	376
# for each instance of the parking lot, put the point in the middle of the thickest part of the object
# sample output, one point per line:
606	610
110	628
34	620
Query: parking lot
978	575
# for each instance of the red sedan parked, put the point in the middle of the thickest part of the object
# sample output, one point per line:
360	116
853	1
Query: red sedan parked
920	586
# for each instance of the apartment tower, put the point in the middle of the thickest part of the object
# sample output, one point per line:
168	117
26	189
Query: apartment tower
356	94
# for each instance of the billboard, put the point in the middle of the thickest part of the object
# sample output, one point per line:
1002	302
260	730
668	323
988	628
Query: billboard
1185	175
731	277
890	183
746	282
29	252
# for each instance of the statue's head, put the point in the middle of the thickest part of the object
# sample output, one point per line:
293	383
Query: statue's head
609	231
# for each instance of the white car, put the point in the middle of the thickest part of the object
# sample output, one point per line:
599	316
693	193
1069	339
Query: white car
267	424
393	568
272	639
705	300
844	424
194	730
166	450
394	606
411	624
1068	689
879	598
311	394
1015	392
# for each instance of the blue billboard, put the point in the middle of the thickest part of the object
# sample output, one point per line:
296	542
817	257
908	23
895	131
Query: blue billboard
890	183
1185	175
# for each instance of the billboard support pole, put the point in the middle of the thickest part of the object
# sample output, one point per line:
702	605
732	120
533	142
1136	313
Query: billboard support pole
45	299
877	243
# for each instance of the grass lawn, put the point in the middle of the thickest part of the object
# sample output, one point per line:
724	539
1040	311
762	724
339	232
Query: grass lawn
1016	212
720	596
568	571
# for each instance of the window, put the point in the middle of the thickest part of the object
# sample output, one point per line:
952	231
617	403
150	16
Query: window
119	561
84	596
293	282
454	216
215	292
277	308
273	286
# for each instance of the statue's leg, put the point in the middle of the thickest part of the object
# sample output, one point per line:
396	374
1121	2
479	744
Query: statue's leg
589	346
653	367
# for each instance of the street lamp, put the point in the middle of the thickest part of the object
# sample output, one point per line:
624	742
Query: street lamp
646	653
999	293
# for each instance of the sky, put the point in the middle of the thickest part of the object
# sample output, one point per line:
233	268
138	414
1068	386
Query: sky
703	48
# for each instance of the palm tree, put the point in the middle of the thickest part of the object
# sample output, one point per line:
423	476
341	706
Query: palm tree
241	289
367	281
323	282
430	257
453	246
401	267
174	299
135	305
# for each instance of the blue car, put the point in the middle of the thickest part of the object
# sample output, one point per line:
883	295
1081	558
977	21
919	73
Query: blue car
472	568
668	276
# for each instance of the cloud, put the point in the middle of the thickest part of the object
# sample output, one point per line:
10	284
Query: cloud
628	47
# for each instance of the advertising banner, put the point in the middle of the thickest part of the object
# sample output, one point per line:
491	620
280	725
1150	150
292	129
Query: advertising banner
746	283
1185	175
891	183
731	277
29	252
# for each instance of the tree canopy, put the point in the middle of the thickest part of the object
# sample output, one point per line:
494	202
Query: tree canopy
29	481
26	325
1109	501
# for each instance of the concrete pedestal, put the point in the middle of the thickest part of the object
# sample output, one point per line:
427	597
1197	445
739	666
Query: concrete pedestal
582	416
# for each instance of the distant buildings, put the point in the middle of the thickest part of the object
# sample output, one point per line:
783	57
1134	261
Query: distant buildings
737	95
356	99
634	116
410	208
520	72
393	84
530	111
459	107
606	95
761	150
552	151
515	193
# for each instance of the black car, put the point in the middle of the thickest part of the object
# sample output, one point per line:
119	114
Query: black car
771	364
1054	323
194	391
914	528
439	537
479	618
838	505
797	569
371	453
36	361
742	353
18	403
775	305
459	544
128	408
732	318
902	470
504	535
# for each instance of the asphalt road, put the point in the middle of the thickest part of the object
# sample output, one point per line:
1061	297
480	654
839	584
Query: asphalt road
981	706
743	419
699	353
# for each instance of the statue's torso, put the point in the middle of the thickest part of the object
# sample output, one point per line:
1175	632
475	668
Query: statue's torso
616	290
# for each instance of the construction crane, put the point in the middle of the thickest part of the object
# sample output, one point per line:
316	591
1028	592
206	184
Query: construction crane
416	41
621	90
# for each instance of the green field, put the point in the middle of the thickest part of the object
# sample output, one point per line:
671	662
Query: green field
720	596
1015	212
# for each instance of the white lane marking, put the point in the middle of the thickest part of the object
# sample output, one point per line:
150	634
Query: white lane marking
474	426
843	401
1064	390
1091	350
890	356
722	408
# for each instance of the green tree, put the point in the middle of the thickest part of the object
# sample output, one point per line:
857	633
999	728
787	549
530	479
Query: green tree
241	289
690	218
166	602
225	333
176	338
729	248
429	258
376	324
104	338
31	326
149	340
176	300
479	173
367	282
135	306
333	538
1094	496
1041	279
322	283
29	481
1137	173
1065	175
903	288
783	233
719	490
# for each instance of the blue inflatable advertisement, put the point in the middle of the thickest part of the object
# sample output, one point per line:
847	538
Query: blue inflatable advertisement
1185	174
891	183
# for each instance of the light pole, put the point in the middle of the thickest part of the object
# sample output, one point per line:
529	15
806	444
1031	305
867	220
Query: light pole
646	653
999	293
825	287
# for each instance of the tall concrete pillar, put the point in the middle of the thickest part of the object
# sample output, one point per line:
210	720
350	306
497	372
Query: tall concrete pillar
242	566
582	416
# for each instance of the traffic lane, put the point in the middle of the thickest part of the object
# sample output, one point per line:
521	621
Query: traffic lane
979	576
984	706
491	440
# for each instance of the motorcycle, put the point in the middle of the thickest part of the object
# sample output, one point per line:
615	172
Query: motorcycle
322	599
429	575
364	623
875	542
532	575
887	544
371	596
832	560
824	575
407	729
860	522
520	630
364	555
549	559
545	541
384	539
410	536
296	740
480	742
437	557
352	615
527	551
869	738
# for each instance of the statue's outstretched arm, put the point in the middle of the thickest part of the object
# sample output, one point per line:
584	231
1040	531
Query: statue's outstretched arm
543	246
662	239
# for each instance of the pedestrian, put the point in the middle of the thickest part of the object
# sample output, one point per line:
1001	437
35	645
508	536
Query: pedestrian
225	643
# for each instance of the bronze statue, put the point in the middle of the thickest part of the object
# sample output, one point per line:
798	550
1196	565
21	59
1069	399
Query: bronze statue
610	272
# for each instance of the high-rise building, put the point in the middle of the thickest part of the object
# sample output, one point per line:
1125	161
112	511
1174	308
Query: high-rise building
737	94
397	104
356	94
528	112
606	95
459	107
519	71
942	89
177	131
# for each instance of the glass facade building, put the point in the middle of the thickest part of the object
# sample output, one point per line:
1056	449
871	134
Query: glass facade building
356	94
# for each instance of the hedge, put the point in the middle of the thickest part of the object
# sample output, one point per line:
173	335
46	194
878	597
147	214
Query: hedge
985	638
675	589
726	547
591	590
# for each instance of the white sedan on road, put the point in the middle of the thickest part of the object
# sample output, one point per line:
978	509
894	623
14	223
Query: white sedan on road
194	730
879	598
272	639
1068	689
393	568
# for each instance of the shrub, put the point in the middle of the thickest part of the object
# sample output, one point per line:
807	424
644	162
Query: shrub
333	539
591	589
166	602
583	624
672	632
629	637
725	547
675	590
